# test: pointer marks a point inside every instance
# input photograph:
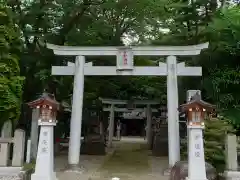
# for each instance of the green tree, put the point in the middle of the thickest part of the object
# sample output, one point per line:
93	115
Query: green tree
218	24
110	22
83	23
10	80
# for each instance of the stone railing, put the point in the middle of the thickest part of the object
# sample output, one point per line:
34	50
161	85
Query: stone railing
18	142
232	170
238	151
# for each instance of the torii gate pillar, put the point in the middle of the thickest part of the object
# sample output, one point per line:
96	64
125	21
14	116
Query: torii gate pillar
149	126
111	127
76	117
173	119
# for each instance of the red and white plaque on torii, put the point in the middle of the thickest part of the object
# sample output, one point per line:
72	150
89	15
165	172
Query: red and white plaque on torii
125	59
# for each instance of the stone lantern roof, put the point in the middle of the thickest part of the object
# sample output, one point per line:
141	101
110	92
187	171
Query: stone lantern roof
45	99
196	101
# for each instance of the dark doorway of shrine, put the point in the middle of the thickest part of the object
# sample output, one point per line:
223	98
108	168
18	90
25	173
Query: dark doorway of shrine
133	127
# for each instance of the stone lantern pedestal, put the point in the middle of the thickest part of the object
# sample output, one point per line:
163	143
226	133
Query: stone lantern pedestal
196	159
45	156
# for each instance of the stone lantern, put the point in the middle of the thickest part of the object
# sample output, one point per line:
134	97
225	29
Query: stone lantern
196	110
47	120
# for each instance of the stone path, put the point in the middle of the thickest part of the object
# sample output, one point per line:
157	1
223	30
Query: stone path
89	164
130	160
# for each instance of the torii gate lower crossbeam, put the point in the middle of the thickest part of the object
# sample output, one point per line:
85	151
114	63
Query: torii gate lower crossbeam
125	67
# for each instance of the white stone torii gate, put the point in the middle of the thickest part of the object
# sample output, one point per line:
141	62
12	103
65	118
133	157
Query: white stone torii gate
148	110
125	66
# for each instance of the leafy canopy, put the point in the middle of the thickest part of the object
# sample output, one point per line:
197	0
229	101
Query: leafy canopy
11	82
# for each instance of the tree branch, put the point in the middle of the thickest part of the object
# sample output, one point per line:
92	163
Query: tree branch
74	19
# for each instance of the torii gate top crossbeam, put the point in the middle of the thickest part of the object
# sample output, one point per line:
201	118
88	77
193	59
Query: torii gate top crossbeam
136	50
126	110
139	102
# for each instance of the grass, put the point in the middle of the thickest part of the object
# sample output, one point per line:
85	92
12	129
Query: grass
128	157
28	166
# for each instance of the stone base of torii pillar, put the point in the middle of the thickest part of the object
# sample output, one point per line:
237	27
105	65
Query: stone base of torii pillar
74	168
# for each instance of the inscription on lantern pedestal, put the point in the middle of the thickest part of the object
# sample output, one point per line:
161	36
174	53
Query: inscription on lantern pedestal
44	148
44	143
197	146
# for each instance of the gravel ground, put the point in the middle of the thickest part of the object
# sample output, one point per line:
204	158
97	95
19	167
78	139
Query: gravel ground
128	160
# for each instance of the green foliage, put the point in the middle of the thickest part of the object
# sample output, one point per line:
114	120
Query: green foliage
29	166
139	22
224	30
234	115
219	24
223	80
10	81
214	137
85	23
